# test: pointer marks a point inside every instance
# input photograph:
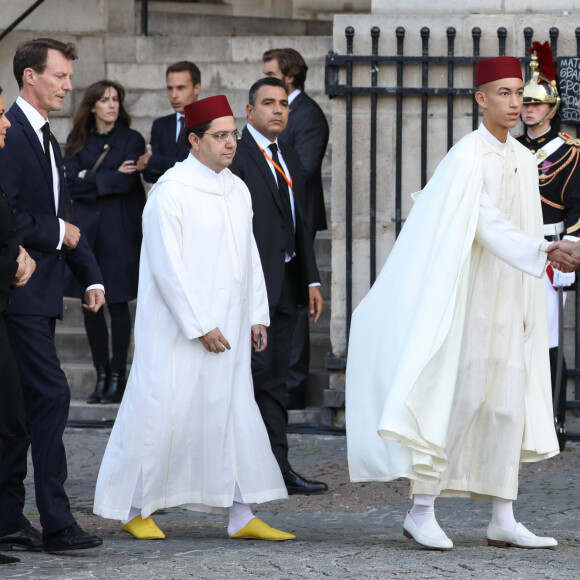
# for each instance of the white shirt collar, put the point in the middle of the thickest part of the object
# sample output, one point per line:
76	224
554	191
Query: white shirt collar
493	141
293	95
199	166
262	141
34	117
208	173
544	133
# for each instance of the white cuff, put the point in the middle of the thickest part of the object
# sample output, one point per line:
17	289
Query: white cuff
95	287
61	235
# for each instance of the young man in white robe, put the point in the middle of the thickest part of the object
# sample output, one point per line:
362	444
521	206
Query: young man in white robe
448	353
188	432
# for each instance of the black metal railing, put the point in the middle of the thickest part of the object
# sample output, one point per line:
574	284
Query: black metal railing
144	17
24	15
345	65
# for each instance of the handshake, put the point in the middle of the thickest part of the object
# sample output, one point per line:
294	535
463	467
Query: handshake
564	255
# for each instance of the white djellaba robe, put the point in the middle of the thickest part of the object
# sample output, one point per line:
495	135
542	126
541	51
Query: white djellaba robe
188	421
448	377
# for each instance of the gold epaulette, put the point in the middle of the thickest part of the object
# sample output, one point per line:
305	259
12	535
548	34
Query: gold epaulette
569	140
518	135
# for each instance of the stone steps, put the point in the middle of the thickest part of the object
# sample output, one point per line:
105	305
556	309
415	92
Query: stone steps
81	412
228	50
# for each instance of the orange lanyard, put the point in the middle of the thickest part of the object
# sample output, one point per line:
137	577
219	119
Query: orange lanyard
279	170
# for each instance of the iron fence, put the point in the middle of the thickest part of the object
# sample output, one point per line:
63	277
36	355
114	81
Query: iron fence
342	66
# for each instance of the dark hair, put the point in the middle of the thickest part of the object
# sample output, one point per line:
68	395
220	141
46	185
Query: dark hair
0	90
290	62
199	130
84	120
183	66
33	54
268	82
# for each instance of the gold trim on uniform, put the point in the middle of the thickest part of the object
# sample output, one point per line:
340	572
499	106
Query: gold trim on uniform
551	203
574	228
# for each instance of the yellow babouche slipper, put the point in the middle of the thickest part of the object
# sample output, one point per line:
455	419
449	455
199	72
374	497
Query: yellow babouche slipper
144	529
256	529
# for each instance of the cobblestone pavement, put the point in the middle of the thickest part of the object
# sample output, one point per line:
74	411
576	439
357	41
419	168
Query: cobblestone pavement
354	531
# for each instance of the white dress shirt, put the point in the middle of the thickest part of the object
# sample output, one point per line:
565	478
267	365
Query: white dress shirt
38	121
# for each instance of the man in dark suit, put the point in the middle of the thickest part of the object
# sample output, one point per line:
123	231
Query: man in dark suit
307	133
273	174
168	141
33	177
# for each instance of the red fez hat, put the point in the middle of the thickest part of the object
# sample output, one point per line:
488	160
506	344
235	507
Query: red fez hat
206	110
500	67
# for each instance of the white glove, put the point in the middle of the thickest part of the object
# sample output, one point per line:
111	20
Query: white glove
563	279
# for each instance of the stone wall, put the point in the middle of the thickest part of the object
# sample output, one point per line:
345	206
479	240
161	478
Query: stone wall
413	15
227	63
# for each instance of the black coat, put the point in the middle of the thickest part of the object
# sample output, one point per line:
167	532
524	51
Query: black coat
307	133
27	180
109	210
9	242
251	166
166	151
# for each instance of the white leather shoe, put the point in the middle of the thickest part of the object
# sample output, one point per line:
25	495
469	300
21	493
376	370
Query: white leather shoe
521	537
429	534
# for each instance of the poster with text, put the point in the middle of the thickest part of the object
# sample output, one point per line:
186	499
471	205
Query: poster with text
569	75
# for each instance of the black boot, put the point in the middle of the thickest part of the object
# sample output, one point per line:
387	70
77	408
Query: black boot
116	388
8	559
101	386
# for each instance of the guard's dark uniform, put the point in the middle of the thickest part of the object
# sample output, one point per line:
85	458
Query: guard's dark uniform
559	175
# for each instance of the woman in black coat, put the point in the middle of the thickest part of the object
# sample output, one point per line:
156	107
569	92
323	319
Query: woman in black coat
108	199
16	267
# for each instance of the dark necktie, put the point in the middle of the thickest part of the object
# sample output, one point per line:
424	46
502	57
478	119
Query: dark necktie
46	142
285	200
181	134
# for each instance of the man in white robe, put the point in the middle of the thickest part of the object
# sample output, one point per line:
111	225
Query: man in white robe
188	432
448	353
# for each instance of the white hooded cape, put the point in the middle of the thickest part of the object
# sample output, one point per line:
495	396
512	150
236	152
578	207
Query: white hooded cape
406	334
188	421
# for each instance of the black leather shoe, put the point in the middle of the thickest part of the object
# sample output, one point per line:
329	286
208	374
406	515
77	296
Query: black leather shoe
71	538
116	388
296	484
101	386
8	559
28	538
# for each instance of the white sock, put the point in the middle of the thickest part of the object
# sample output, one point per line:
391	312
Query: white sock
132	515
502	513
136	501
240	515
423	508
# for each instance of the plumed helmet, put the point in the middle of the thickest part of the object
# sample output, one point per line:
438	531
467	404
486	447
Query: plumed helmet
542	88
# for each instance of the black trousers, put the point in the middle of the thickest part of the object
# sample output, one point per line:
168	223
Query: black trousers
12	410
47	399
270	368
299	361
560	407
98	335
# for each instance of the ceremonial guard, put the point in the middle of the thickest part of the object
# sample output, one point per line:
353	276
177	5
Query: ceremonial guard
557	156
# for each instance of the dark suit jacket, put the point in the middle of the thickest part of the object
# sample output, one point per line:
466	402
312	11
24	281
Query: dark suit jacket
307	134
166	152
27	180
251	166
